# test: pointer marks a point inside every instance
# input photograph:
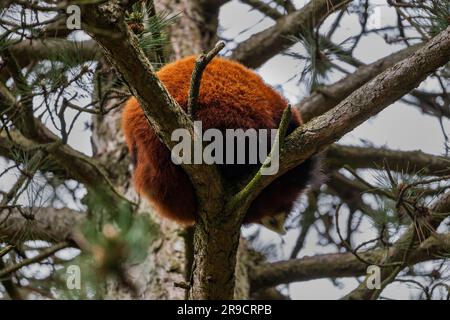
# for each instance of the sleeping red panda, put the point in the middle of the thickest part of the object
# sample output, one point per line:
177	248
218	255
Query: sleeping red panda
231	97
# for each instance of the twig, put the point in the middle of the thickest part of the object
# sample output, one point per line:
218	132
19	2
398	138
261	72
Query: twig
44	254
354	251
244	197
6	250
200	65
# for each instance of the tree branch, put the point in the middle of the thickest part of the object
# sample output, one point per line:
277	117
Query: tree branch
70	162
262	46
29	51
404	248
264	8
200	64
41	256
49	224
412	162
327	97
337	265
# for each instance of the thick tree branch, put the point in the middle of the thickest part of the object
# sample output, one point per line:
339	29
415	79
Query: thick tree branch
412	162
404	248
328	97
49	224
28	51
262	46
45	253
264	8
338	265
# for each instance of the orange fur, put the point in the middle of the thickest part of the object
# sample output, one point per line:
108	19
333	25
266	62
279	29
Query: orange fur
231	97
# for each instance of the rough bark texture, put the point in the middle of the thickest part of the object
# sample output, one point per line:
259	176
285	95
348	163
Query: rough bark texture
413	162
403	250
262	46
169	257
195	30
338	264
165	262
212	261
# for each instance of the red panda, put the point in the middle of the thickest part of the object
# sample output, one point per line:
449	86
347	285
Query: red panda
231	97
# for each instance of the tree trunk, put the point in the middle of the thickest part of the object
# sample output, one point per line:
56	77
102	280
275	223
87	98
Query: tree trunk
169	257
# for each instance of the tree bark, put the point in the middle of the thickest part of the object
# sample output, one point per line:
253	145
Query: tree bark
165	262
169	259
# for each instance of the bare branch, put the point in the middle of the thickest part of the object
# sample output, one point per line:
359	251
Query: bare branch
264	8
200	66
365	102
262	46
404	248
337	265
328	97
41	256
27	51
412	162
50	224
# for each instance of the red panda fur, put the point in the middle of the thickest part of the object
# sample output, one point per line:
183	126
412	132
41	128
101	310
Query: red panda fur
231	97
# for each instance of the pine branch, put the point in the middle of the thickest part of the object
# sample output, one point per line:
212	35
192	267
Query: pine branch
412	162
39	257
264	8
325	98
49	224
86	170
13	141
10	287
262	46
26	52
338	265
403	251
